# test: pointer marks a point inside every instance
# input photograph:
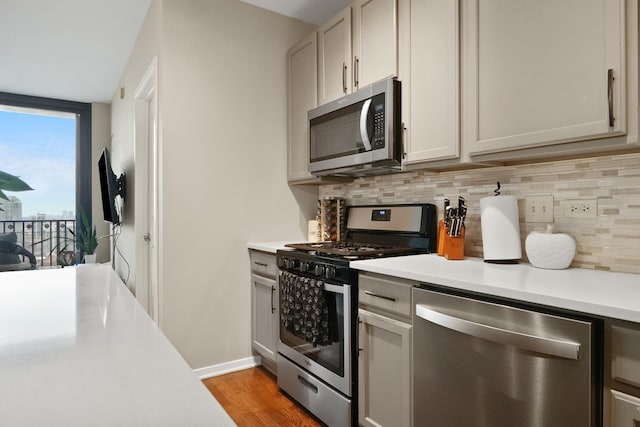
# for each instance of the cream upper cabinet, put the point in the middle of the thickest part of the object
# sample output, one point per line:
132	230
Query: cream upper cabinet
302	81
430	80
334	57
375	41
544	72
357	47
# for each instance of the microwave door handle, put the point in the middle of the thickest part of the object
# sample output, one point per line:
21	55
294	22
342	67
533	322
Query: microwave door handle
363	125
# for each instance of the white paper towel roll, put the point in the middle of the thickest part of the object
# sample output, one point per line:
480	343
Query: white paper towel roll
500	228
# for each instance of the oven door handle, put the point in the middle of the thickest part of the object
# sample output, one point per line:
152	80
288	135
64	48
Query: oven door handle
333	288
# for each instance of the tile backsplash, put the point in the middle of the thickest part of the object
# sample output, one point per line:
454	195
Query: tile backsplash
608	241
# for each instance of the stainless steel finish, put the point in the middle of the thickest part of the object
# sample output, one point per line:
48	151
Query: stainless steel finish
363	125
406	218
344	78
485	364
610	80
370	162
343	383
542	345
273	291
325	403
356	70
373	294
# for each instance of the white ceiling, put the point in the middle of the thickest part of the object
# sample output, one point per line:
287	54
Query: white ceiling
67	49
77	49
311	11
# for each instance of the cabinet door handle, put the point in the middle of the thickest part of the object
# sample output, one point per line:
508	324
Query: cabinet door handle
356	71
344	77
261	264
273	307
610	80
404	137
358	336
373	294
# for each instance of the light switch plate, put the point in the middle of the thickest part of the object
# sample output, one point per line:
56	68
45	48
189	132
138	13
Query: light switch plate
539	209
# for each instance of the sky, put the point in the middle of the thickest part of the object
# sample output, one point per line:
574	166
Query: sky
40	150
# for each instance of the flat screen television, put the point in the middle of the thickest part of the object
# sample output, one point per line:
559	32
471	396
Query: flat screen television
111	187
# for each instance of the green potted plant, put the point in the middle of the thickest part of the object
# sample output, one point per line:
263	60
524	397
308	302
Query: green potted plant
86	238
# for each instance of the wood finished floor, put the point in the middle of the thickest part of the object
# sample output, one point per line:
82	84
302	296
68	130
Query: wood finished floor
251	398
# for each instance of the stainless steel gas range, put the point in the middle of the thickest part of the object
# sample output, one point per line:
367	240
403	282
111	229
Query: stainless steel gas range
318	293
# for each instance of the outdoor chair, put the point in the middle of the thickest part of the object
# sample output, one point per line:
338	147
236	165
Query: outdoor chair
11	255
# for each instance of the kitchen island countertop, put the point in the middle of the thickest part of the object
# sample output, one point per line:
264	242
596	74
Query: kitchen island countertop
76	349
608	294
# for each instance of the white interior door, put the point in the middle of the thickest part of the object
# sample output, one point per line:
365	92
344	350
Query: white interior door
147	187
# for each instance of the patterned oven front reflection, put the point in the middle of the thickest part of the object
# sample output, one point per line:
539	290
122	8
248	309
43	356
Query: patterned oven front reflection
317	320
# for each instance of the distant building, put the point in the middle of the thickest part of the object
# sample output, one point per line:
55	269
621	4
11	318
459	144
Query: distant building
12	209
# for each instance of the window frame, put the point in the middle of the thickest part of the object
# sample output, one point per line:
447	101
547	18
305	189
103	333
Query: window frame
82	110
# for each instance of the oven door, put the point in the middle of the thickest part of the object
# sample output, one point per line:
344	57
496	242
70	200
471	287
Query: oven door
331	363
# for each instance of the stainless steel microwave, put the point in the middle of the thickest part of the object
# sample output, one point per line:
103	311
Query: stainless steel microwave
359	134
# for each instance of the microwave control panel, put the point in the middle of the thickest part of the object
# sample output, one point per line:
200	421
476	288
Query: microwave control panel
377	105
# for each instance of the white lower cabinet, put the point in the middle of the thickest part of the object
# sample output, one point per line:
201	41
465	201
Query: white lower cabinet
625	410
264	307
384	369
625	374
384	356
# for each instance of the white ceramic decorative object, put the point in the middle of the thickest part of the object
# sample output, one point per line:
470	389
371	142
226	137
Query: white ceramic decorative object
90	259
550	251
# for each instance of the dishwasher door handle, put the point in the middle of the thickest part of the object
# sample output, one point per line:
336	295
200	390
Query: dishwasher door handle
548	346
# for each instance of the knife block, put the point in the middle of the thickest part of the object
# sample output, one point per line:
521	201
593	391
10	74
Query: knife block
452	248
442	231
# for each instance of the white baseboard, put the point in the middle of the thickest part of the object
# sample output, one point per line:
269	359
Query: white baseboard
227	367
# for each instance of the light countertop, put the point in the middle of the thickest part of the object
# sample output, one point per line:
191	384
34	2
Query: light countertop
615	295
270	247
76	349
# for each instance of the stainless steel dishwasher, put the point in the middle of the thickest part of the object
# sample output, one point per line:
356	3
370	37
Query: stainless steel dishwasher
479	363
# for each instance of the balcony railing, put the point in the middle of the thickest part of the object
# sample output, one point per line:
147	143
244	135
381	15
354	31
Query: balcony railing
45	239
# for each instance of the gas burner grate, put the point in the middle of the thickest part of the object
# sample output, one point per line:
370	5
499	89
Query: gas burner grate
352	250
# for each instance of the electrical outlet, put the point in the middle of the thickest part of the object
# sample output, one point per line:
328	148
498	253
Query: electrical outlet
581	208
538	209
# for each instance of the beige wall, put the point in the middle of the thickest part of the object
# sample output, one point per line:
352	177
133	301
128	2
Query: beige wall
222	108
100	137
224	167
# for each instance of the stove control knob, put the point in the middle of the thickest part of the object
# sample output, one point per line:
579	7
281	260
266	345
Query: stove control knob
292	263
319	270
304	266
330	273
